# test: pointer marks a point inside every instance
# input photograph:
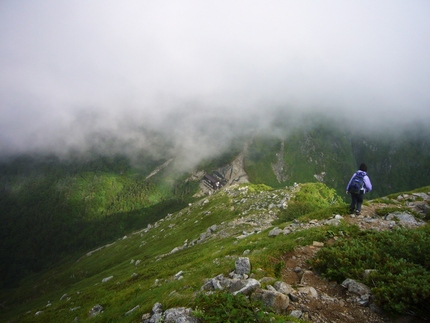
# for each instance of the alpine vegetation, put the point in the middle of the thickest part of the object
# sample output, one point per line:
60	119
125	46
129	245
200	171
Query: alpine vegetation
240	252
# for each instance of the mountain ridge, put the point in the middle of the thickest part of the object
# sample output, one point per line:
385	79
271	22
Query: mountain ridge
106	197
200	240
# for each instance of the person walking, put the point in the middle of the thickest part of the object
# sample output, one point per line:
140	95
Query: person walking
357	186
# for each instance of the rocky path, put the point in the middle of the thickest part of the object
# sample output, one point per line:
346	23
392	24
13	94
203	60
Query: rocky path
305	294
333	302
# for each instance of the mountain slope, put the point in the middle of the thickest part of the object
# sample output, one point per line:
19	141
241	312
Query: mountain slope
396	161
200	241
51	208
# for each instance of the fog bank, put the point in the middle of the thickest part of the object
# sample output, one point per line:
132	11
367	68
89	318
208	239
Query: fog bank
198	73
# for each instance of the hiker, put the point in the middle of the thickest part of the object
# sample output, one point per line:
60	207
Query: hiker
358	185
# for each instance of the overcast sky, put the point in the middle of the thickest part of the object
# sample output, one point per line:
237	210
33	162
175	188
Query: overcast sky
75	69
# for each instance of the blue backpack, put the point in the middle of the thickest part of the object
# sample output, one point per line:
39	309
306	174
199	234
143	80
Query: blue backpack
357	183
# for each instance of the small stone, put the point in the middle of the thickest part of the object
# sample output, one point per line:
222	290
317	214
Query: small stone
96	310
318	244
275	232
132	310
250	285
293	297
309	291
178	275
104	280
296	313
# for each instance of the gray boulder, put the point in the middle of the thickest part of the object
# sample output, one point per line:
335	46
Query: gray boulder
243	266
276	301
172	315
275	232
179	315
217	283
283	287
245	287
404	219
355	287
156	314
359	289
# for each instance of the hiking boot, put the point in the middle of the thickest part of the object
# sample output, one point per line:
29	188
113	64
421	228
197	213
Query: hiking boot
357	212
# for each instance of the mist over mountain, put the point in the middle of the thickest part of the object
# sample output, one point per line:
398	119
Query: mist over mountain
117	76
52	207
96	96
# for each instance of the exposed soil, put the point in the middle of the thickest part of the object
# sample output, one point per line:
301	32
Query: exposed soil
335	303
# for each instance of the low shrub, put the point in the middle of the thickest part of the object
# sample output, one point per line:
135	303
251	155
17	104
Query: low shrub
259	188
222	307
312	197
400	279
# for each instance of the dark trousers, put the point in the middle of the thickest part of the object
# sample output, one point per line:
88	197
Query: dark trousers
356	202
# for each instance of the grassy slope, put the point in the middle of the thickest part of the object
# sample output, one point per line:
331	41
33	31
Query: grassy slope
306	153
82	280
395	162
320	150
106	196
52	208
261	155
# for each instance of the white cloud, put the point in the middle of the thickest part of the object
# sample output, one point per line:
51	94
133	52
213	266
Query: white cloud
174	64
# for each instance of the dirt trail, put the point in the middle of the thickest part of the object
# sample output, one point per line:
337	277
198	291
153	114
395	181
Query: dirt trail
335	303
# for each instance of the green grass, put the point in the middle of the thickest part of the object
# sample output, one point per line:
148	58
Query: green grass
313	200
151	281
82	201
60	208
261	155
81	279
400	280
